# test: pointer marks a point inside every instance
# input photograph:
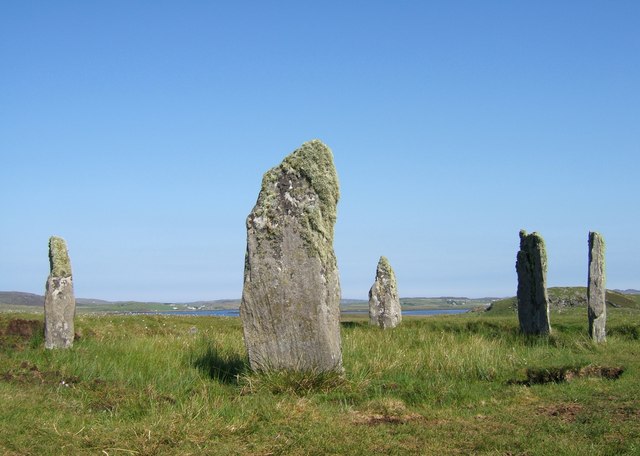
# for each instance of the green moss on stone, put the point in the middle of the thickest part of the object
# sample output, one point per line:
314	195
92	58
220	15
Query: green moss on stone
595	237
384	262
313	163
384	265
530	243
384	269
59	263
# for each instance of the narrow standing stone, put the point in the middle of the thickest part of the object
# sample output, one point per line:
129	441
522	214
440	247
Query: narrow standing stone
384	303
596	291
291	297
59	301
533	301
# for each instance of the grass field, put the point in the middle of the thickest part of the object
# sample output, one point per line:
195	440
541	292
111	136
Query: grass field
465	384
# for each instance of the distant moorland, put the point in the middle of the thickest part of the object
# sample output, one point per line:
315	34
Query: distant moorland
14	300
560	297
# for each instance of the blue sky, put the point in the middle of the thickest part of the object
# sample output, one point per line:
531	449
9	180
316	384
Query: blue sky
139	132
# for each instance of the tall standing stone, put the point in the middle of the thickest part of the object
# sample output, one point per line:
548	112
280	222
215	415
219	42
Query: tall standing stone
59	301
291	297
533	301
384	302
596	291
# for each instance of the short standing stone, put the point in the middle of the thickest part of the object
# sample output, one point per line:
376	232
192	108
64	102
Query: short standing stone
533	301
59	301
384	302
596	291
291	296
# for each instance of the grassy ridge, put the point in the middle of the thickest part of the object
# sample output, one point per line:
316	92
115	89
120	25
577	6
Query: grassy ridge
565	297
440	385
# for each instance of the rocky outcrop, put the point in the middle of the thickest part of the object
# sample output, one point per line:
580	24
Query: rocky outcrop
533	301
384	302
596	301
291	296
59	300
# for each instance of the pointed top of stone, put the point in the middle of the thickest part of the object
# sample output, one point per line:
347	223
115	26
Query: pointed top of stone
384	267
311	162
59	263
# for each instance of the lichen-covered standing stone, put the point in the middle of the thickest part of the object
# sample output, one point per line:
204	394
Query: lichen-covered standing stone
533	301
596	291
59	301
384	302
291	296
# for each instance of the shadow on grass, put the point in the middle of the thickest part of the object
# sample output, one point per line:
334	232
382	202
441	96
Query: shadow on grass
491	329
223	367
631	332
543	376
354	324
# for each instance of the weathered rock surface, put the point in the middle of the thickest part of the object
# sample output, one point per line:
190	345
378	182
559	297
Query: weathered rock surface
291	296
533	301
59	300
384	302
596	303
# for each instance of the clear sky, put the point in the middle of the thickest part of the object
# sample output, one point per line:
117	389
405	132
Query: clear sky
139	132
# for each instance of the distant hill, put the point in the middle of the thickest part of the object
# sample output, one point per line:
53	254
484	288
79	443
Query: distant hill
18	298
15	299
565	297
630	291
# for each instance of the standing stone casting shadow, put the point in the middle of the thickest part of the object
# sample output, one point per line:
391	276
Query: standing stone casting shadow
384	302
596	289
533	301
59	300
291	296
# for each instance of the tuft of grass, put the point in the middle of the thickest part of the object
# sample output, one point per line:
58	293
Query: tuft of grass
292	382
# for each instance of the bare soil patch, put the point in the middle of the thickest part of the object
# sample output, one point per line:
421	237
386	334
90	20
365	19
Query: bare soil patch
566	412
18	333
30	374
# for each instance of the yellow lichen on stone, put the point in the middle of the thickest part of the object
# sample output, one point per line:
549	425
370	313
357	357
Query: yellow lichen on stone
60	265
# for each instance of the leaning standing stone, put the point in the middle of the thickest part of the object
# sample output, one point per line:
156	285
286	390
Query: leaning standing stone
597	307
291	296
59	301
384	302
533	301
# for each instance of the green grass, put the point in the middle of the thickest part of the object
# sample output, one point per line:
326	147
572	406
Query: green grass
439	385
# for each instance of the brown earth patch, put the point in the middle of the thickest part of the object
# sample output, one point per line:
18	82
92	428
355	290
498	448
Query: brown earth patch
565	412
17	333
29	374
24	328
372	419
627	412
385	411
